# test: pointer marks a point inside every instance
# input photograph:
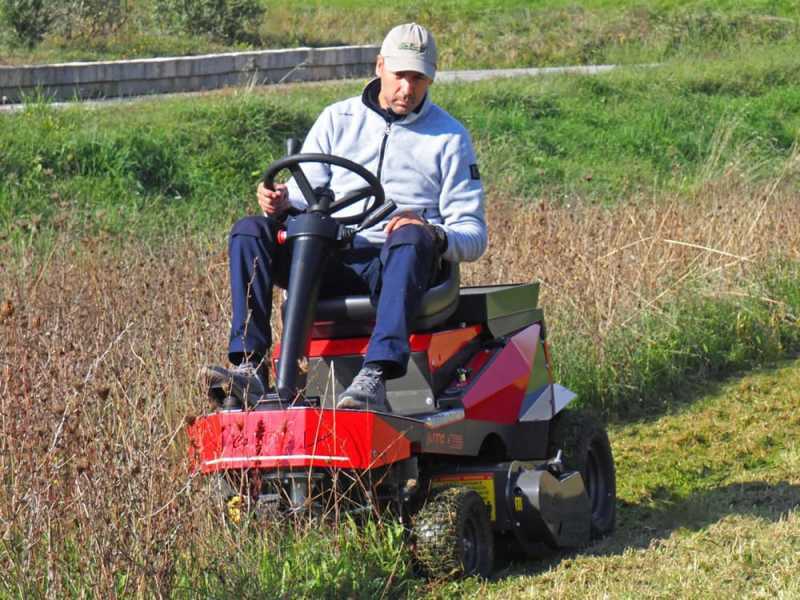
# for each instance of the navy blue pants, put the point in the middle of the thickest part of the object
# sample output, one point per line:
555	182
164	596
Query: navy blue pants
395	276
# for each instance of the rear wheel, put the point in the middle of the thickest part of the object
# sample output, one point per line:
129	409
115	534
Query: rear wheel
453	536
585	448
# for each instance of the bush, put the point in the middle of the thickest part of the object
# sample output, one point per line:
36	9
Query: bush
29	19
32	20
226	20
90	18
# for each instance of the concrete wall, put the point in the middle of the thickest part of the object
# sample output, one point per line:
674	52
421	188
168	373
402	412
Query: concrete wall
191	73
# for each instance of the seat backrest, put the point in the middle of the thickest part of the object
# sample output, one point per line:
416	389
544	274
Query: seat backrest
345	316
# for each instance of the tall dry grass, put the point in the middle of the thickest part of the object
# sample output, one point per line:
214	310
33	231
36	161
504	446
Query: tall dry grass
605	266
99	347
630	292
100	341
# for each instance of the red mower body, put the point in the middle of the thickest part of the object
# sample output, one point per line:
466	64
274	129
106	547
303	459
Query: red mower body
503	391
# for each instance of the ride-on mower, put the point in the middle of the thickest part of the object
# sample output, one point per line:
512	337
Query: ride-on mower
474	446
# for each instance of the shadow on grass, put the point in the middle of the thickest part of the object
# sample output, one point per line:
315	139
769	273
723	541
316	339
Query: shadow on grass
695	387
639	525
690	391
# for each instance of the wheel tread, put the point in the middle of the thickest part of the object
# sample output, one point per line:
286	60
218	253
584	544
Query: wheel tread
437	533
576	433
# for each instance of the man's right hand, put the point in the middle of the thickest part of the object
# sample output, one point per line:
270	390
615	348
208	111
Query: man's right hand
273	202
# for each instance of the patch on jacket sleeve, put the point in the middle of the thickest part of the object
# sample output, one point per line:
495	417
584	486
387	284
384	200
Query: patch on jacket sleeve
474	173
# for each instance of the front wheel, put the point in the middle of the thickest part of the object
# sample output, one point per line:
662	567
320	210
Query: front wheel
453	536
585	448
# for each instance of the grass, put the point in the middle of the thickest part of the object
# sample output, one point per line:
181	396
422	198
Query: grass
191	164
101	339
350	560
470	34
659	208
645	297
110	170
604	138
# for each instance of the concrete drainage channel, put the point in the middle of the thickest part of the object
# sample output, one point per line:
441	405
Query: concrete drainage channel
128	79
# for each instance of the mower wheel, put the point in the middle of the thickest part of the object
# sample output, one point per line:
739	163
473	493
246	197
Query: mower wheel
453	536
585	448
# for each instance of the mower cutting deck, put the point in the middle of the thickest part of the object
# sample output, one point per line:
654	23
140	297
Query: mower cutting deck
474	443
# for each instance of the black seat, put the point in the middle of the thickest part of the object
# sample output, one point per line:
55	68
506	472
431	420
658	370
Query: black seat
346	316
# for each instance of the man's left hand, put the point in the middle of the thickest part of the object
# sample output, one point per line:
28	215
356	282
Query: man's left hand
404	218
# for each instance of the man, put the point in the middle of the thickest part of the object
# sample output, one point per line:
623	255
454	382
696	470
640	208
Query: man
425	162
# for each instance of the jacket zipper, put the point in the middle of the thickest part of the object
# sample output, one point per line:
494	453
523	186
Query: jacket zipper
383	149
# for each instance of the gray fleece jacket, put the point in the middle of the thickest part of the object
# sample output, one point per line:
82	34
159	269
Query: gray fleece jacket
425	162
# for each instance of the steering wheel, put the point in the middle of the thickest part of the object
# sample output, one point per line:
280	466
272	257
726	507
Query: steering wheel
293	162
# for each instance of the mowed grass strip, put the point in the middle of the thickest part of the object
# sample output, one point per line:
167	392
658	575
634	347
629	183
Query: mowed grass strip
470	35
709	503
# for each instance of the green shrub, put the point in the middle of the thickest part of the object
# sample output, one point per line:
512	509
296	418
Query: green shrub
29	19
90	18
226	20
32	20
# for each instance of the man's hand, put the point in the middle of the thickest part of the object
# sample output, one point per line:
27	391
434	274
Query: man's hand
273	202
406	217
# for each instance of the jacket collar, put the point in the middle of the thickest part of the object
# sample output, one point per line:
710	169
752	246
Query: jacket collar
370	99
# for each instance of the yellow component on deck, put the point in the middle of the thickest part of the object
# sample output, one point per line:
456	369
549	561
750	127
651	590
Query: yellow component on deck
234	509
482	483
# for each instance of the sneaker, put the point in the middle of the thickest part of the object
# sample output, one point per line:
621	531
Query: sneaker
235	386
368	390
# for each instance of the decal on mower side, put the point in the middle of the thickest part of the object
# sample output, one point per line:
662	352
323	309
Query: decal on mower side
483	483
444	441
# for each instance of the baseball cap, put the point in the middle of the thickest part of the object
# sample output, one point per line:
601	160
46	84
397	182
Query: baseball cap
410	47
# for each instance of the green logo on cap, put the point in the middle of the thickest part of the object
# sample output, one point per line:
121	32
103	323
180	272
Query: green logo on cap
412	46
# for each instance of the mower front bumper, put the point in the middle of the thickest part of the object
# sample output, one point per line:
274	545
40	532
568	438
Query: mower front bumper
299	437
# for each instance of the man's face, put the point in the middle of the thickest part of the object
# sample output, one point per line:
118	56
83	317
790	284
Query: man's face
402	91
